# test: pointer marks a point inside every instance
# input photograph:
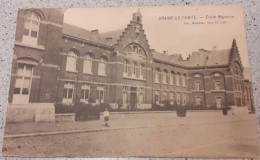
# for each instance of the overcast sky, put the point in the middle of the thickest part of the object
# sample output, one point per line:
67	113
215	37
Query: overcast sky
171	35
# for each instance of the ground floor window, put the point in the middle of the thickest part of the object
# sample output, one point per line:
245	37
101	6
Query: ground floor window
184	97
198	101
164	96
85	93
156	97
171	98
68	92
100	94
125	90
178	98
141	96
218	102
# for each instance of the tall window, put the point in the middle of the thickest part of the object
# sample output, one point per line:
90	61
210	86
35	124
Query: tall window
141	97
198	101
184	80
197	86
126	66
178	98
135	68
68	92
85	93
100	94
156	97
141	70
71	61
88	63
140	52
102	66
178	79
171	98
217	85
164	96
125	89
31	28
165	77
129	49
172	78
184	97
157	75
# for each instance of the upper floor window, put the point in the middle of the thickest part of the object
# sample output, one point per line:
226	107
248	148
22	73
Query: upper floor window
31	28
197	86
164	78
157	75
141	70
217	85
102	66
126	66
197	75
88	63
184	80
71	61
135	68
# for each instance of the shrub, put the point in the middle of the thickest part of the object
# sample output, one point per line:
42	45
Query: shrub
63	108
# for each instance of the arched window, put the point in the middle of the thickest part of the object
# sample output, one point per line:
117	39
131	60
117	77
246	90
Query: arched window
71	61
157	75
184	80
102	66
31	28
141	70
164	78
129	49
140	52
88	63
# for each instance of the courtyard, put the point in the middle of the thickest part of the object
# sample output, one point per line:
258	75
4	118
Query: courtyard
204	134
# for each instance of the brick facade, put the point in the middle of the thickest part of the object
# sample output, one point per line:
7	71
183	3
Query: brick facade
134	74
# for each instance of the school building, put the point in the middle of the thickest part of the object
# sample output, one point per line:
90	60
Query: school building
58	62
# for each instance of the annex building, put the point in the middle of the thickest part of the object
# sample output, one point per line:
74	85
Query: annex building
58	62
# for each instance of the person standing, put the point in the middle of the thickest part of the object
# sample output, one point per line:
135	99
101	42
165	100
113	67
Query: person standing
106	117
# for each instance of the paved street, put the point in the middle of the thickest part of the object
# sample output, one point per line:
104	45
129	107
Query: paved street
141	135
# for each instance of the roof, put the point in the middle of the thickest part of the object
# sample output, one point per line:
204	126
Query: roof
85	34
202	58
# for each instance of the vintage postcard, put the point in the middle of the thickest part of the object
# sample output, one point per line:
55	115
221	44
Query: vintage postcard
131	82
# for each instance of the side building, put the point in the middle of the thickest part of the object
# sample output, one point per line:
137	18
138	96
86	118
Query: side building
58	62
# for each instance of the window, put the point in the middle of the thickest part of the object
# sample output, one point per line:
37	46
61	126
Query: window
126	66
136	49
31	28
198	101
217	85
68	92
171	98
23	79
216	75
184	81
140	52
88	63
141	70
129	49
164	78
178	98
85	93
156	97
141	97
197	86
157	75
164	96
172	78
134	69
178	79
71	61
102	66
184	97
100	94
125	89
197	75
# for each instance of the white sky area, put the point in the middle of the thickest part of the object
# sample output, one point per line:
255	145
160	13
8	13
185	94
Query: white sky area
172	36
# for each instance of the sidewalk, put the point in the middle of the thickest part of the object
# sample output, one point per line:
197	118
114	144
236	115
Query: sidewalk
119	121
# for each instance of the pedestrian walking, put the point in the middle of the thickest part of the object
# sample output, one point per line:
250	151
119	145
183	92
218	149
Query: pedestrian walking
106	117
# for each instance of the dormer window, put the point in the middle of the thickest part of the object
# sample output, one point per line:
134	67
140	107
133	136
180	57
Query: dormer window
138	19
31	28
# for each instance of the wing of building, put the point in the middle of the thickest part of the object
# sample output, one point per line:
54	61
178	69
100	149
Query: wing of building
57	62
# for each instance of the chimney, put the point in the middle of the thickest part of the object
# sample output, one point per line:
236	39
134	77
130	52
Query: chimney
95	31
109	41
164	52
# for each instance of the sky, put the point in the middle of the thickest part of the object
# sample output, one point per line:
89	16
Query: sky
173	35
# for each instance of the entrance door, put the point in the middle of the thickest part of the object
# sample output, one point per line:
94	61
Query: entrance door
218	102
22	86
133	97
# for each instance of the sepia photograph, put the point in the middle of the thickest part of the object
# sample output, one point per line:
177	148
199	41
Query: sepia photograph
157	82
